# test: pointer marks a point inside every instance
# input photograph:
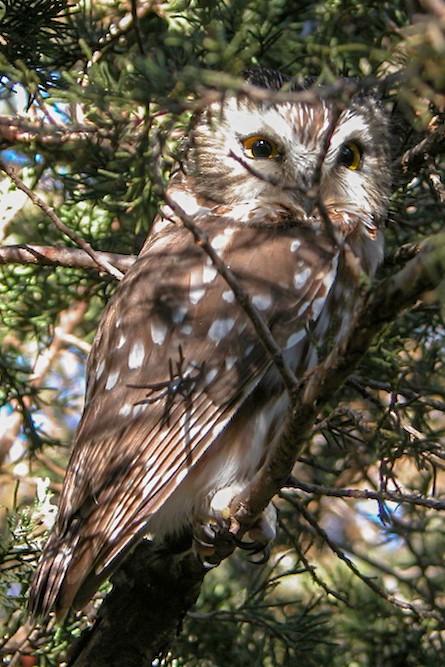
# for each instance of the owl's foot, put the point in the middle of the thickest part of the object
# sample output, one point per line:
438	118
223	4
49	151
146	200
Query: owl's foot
214	539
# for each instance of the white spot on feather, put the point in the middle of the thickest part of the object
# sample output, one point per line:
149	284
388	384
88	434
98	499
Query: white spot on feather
220	241
211	375
179	313
137	355
301	278
295	245
220	328
100	369
158	332
317	305
262	301
230	362
295	338
209	273
197	290
125	410
187	329
228	296
121	341
196	294
112	379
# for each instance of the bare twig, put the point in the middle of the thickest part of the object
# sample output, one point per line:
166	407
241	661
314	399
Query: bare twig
416	157
79	241
365	494
62	256
312	521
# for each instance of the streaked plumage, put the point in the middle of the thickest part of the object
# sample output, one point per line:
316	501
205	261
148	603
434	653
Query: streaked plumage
182	399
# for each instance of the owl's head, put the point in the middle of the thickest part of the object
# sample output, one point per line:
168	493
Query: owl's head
295	155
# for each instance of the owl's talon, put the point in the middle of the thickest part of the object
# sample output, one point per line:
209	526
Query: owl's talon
266	550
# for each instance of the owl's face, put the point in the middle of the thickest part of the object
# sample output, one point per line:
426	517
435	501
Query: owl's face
293	156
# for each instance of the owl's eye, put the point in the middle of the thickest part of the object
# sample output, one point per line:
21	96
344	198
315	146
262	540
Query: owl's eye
259	147
351	155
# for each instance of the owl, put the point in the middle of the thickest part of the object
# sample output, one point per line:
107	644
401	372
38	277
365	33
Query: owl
183	401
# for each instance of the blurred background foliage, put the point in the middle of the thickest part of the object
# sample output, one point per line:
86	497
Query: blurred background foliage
89	91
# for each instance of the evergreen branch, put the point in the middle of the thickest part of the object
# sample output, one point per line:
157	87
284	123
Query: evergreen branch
312	521
62	256
102	262
15	129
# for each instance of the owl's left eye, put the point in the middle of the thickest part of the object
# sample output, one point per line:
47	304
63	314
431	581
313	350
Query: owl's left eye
351	155
259	147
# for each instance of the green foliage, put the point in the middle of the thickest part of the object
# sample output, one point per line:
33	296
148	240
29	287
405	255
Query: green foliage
104	93
37	37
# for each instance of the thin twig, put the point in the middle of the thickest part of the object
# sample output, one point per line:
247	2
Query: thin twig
365	494
242	297
79	241
308	516
415	158
62	256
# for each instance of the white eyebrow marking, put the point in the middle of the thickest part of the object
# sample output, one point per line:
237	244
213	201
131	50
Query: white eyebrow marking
137	354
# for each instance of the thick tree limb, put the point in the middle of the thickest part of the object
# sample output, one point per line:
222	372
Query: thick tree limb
155	587
62	256
152	592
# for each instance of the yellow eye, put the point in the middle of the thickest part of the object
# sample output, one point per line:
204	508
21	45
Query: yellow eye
259	147
351	156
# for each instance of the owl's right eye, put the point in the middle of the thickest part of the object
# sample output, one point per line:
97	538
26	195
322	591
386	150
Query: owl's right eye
259	147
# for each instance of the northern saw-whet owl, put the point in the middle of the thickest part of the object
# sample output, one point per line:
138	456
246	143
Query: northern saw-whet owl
183	401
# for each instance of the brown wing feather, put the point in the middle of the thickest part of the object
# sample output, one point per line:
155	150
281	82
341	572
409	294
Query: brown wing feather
174	359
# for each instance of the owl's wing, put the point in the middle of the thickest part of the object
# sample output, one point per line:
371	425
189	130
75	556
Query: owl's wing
174	358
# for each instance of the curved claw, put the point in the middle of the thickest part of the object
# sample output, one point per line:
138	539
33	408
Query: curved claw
254	548
266	551
246	545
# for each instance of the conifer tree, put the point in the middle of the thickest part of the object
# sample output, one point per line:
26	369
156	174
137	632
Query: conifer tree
94	99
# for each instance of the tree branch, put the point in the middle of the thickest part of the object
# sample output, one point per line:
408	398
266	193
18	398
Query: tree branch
62	256
79	241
